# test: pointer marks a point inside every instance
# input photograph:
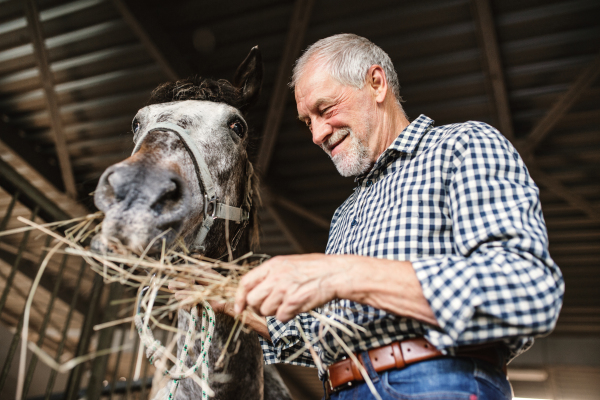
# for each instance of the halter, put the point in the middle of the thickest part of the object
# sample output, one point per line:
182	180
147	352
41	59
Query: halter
213	208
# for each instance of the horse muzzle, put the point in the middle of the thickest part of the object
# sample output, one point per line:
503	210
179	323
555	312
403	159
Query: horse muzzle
143	204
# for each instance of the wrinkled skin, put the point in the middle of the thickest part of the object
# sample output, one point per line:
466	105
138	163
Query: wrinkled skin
156	193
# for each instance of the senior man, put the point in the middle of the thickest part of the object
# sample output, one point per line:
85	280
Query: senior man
438	263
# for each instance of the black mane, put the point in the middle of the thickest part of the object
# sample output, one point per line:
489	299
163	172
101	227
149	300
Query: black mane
198	88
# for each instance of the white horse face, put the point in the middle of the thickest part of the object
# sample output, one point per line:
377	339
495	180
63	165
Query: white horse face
156	193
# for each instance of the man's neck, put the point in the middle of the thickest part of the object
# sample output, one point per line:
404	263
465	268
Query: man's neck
393	122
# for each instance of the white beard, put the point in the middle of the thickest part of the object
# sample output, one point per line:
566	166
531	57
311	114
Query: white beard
354	159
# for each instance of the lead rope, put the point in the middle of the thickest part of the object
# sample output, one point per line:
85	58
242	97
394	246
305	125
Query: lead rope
155	350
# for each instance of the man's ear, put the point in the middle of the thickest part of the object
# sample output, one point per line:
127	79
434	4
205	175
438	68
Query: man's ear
378	82
248	77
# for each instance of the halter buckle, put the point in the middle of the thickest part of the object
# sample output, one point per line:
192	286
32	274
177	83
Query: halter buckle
213	200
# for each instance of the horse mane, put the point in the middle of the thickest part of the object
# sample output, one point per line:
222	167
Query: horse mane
219	91
198	88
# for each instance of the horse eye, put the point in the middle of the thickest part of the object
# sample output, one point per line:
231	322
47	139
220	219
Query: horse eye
238	128
135	126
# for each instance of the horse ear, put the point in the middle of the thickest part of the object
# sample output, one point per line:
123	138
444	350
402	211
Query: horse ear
248	77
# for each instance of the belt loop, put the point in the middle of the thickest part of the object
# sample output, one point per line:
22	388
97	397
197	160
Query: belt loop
366	361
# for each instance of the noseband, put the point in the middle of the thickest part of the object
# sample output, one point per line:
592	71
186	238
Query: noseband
213	208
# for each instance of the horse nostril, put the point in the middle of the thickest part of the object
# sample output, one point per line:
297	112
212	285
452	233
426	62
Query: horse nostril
170	197
104	195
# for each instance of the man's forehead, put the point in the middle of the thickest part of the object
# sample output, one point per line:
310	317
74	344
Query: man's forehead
314	89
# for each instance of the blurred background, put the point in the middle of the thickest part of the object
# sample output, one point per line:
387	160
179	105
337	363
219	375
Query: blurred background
74	73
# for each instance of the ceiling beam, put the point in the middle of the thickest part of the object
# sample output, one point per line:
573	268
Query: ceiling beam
283	226
562	106
494	72
14	138
136	14
560	190
30	270
269	197
295	38
47	81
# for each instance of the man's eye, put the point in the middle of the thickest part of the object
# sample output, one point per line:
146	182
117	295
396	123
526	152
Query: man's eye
238	128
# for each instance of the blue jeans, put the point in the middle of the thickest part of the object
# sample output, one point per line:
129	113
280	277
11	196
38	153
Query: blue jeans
449	378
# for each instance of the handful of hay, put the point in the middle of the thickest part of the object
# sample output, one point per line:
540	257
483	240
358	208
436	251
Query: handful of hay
202	286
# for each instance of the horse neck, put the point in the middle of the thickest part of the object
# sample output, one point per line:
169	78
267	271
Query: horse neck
240	374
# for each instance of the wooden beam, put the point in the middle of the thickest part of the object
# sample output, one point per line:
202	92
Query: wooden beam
299	210
12	138
562	106
556	187
484	19
295	39
285	229
302	212
30	269
147	29
47	80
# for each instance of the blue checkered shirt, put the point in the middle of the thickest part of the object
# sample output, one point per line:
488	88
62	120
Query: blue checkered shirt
457	201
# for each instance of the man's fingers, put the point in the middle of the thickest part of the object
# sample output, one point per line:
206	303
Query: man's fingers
248	282
301	299
267	299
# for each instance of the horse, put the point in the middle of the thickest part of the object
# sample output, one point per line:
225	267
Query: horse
188	177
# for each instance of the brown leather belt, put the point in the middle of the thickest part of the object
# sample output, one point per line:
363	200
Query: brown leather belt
399	354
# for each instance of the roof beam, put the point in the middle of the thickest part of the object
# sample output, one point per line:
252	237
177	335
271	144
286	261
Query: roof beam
486	32
14	139
281	224
47	80
143	25
295	208
30	269
562	106
556	187
295	39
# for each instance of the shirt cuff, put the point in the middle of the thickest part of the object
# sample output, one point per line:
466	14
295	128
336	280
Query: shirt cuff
451	297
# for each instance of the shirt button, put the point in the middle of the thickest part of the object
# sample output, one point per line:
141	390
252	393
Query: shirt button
369	183
354	223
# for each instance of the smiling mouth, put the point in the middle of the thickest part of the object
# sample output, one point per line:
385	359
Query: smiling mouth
331	147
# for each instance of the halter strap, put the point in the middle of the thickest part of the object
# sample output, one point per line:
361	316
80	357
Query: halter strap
213	208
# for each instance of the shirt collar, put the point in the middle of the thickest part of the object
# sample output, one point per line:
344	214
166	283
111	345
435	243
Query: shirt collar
406	143
407	140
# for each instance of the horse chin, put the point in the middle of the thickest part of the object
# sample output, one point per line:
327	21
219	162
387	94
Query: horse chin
150	242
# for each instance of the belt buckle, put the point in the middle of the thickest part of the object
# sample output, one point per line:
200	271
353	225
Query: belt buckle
338	388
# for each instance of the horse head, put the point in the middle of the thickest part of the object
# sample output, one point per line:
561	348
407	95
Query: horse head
189	172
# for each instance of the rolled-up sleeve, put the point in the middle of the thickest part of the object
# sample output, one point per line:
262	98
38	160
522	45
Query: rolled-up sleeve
286	342
501	281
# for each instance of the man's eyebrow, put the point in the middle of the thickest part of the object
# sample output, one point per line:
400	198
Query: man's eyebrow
317	104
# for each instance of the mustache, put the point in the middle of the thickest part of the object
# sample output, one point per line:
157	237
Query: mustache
335	138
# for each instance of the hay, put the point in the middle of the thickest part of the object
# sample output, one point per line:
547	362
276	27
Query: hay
176	267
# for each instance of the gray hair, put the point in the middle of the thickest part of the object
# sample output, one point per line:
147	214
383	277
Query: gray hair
348	57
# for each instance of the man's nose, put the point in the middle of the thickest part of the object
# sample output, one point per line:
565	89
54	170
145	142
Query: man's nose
320	131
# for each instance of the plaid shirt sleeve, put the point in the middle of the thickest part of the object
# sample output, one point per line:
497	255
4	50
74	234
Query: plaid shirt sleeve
287	342
501	282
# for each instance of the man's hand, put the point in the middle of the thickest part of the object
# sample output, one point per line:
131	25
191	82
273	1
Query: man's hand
287	285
